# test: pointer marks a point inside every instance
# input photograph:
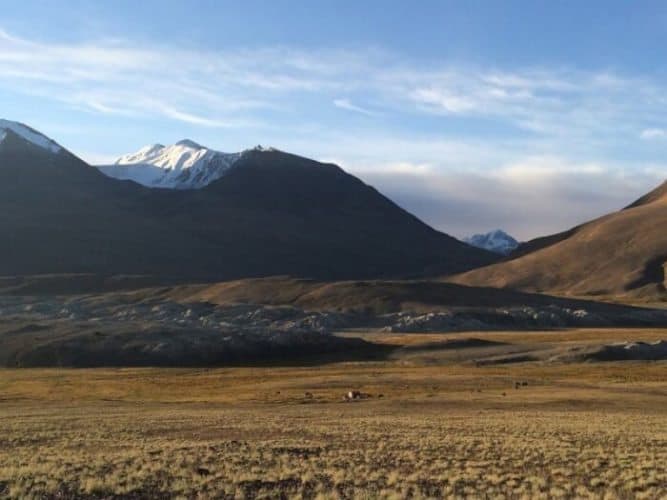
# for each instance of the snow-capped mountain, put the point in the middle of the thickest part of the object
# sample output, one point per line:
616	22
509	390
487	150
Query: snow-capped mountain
27	134
184	165
497	241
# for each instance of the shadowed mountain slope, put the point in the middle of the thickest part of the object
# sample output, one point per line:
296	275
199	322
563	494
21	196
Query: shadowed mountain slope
273	213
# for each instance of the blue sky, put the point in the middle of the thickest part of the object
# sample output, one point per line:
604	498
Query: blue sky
530	116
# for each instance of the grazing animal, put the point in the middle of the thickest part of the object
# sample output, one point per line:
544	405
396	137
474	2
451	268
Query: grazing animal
308	395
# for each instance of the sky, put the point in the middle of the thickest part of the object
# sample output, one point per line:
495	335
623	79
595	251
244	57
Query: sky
530	116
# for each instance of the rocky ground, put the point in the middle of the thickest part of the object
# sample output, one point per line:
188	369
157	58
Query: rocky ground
115	330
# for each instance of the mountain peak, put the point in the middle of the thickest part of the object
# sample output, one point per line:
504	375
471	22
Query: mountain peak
189	144
261	149
497	241
184	165
27	134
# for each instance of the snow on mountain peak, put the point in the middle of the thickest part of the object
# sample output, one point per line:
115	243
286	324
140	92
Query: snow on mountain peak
495	241
143	155
28	134
184	165
261	148
189	144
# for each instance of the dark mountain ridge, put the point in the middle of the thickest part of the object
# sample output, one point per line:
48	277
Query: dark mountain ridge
273	213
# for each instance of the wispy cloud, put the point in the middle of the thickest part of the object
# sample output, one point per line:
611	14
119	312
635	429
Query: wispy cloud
444	101
197	87
349	106
236	88
556	103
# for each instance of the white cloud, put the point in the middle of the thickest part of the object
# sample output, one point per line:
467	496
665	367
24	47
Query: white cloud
443	100
653	133
192	118
541	170
348	105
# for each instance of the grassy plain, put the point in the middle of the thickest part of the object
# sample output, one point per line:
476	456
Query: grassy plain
434	426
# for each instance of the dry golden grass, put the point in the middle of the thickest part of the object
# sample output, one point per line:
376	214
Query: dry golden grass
560	337
449	430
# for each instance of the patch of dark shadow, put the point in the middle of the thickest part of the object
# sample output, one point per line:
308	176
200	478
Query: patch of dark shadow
252	488
186	347
325	480
653	273
430	488
298	452
599	292
634	351
345	489
506	360
71	491
30	328
452	344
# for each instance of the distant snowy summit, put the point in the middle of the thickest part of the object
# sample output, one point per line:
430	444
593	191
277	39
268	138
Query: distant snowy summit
27	134
184	165
497	241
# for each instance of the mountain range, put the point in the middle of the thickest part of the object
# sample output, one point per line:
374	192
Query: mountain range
258	213
186	213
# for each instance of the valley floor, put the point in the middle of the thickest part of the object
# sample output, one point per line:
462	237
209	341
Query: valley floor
430	423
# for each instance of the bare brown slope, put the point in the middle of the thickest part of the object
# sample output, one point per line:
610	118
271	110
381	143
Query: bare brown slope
546	241
659	193
621	254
